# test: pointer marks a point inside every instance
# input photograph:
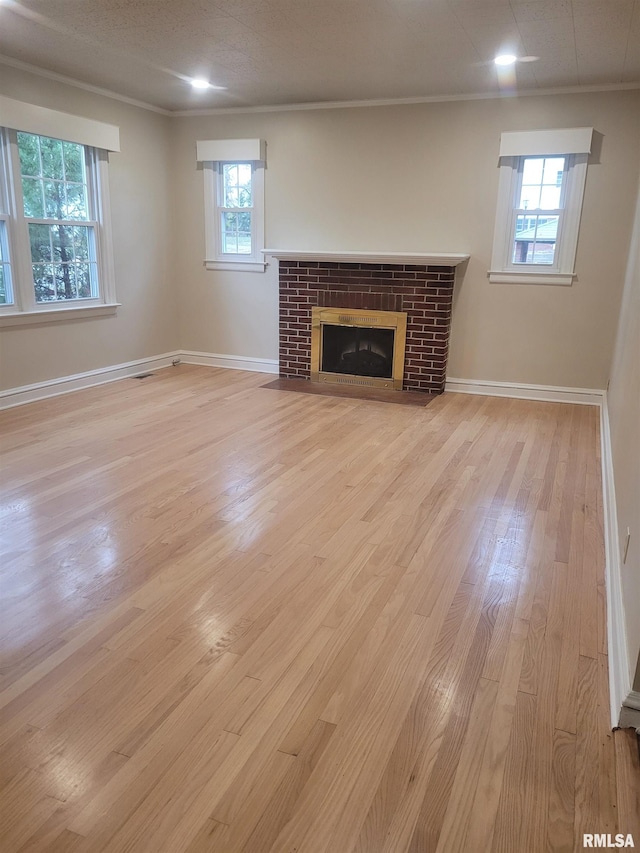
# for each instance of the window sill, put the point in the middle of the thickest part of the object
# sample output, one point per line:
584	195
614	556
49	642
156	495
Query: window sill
59	315
511	277
236	266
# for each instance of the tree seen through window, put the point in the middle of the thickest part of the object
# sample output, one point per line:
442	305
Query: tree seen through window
57	209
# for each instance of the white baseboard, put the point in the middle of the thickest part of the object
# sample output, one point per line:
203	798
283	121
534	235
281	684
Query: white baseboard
234	362
66	384
618	653
544	393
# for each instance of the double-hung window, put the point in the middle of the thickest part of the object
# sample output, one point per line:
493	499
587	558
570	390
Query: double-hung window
542	179
55	245
233	203
59	210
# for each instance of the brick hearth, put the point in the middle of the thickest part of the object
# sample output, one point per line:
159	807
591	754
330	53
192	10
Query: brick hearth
423	292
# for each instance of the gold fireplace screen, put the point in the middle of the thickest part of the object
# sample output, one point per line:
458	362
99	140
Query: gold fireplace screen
358	347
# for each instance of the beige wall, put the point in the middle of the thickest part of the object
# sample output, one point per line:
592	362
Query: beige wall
421	178
624	419
141	207
409	177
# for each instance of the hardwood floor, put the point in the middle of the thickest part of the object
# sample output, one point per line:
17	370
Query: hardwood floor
239	619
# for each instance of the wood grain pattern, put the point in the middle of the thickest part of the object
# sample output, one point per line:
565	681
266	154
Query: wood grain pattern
237	619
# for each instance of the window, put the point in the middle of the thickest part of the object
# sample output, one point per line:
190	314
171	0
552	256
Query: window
234	203
55	245
57	207
539	205
538	209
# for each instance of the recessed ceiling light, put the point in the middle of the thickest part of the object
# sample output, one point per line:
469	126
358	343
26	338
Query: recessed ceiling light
505	59
199	83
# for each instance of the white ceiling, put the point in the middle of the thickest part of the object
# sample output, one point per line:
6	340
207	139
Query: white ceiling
269	52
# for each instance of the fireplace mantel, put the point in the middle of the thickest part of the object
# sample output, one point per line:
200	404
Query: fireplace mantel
445	259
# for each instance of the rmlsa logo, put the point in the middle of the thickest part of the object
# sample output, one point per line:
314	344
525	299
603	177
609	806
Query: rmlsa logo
603	840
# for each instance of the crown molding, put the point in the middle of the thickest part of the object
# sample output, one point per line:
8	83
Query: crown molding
393	102
78	84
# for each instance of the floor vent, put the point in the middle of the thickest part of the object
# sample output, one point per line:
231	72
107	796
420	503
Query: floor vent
143	375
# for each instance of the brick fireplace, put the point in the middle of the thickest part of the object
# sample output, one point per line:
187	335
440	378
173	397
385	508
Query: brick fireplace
420	286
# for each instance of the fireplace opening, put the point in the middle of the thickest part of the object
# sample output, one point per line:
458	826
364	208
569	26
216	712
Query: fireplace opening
357	351
358	346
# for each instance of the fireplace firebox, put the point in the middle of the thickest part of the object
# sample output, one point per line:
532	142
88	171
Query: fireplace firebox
358	347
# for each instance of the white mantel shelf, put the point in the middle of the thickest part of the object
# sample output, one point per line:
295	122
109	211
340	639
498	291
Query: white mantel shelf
443	259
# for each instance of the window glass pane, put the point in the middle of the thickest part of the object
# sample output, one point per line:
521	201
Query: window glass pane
236	233
43	282
63	262
74	162
3	287
529	197
54	200
541	183
244	233
65	281
535	239
230	244
62	241
237	185
29	150
83	281
244	243
532	171
231	197
40	239
550	198
244	182
54	183
51	153
553	171
230	233
81	243
230	175
76	206
32	195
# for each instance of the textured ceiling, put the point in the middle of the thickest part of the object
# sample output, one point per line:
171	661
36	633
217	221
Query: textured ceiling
300	51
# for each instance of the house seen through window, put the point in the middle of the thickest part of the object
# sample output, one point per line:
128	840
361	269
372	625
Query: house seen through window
537	214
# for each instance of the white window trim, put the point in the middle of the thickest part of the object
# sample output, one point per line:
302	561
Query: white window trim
24	309
213	153
534	144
